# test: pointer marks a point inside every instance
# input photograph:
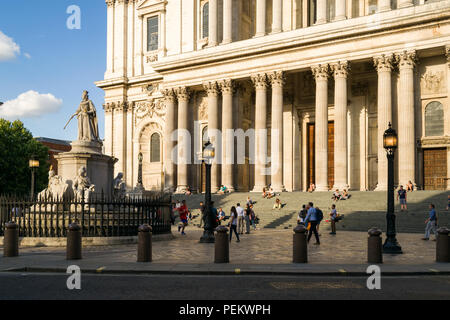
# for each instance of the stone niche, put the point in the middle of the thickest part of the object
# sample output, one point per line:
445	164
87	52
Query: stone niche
100	167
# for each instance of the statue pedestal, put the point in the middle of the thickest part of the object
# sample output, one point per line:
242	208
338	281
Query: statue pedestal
100	167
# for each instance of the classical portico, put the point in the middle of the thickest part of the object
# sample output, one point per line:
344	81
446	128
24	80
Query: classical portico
305	98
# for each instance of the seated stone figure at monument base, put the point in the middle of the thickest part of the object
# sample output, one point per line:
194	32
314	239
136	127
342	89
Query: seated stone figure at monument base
57	189
82	186
119	186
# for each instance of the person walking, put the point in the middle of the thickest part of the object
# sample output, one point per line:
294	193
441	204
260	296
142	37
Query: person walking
319	215
313	220
253	217
240	215
401	195
247	217
183	211
202	214
333	218
431	223
233	223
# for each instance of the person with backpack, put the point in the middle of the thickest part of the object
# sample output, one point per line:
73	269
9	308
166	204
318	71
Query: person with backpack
312	218
320	218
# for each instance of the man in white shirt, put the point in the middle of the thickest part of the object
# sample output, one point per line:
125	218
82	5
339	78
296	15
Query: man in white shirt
240	212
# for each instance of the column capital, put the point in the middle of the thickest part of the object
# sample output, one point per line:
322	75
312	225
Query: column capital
121	106
183	93
321	71
169	95
259	81
276	78
406	59
110	3
227	86
340	69
384	63
109	107
211	88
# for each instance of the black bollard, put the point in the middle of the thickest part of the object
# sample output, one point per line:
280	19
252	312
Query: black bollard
74	242
11	240
300	247
222	245
375	246
144	253
443	245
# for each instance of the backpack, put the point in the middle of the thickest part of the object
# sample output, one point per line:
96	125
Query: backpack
319	214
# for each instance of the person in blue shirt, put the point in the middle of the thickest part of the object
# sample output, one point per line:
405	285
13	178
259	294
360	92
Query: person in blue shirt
431	223
313	220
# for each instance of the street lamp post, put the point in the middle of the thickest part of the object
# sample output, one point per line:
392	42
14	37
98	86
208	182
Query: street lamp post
390	143
210	217
140	185
33	163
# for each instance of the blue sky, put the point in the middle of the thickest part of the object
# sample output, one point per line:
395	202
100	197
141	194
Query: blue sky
52	60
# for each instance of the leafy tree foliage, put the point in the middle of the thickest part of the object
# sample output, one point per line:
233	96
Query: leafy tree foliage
17	145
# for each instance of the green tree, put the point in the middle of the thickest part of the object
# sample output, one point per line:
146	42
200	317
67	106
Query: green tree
17	145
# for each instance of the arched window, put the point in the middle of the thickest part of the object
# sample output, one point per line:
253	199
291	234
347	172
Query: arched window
434	119
205	20
155	148
205	137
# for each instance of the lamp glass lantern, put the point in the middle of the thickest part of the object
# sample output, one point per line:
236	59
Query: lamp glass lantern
390	139
208	152
33	163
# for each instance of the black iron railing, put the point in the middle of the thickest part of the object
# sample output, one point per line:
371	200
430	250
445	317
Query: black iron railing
99	217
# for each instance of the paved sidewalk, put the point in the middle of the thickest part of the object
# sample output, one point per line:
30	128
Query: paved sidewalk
261	252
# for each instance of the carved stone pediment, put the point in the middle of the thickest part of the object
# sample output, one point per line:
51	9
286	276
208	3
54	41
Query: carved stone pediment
151	6
150	109
433	81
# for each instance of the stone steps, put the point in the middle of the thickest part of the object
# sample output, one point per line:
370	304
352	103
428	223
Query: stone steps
362	211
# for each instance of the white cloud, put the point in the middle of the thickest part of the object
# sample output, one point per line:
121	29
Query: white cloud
8	48
27	55
30	104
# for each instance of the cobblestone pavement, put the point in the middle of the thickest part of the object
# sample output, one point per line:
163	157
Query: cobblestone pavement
265	246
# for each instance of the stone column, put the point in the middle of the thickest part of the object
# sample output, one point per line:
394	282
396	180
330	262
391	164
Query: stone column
384	69
183	157
276	146
447	115
320	72
405	3
227	21
384	5
406	129
110	37
212	89
321	11
340	70
260	18
340	10
260	82
227	87
213	38
168	148
277	14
